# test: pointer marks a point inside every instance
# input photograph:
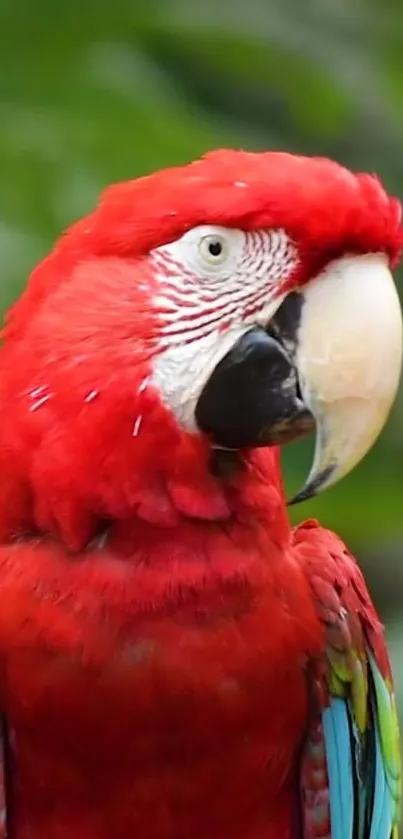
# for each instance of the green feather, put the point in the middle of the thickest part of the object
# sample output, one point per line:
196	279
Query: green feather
389	735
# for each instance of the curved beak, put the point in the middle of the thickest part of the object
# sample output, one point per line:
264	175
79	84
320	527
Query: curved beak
348	356
330	358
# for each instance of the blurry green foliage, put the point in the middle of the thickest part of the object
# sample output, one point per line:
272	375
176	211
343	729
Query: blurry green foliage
97	92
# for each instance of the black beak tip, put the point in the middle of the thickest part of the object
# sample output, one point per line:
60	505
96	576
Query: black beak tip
312	487
304	495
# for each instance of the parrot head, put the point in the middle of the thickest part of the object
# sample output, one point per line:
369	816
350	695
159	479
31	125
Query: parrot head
234	303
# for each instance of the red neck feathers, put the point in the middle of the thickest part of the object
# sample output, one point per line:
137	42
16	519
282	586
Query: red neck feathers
75	461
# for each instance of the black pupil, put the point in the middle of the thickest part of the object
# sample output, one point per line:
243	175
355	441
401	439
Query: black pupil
215	247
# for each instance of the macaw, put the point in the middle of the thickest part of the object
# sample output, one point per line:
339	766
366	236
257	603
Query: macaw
178	662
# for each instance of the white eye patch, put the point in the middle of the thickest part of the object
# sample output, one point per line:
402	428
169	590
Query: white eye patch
214	283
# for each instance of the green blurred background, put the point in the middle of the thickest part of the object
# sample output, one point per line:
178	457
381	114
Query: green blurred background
96	92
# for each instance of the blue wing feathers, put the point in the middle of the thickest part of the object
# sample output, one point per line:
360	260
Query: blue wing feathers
350	779
362	804
339	766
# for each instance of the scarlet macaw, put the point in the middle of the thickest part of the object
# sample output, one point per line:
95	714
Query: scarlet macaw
177	662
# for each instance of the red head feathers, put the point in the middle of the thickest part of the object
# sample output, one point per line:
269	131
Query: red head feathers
323	206
98	379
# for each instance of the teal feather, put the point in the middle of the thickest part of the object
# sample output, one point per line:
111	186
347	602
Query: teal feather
353	734
339	767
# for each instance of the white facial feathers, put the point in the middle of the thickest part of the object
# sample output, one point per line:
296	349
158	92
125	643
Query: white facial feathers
214	284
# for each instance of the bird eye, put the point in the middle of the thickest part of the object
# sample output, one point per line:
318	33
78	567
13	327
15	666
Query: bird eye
213	249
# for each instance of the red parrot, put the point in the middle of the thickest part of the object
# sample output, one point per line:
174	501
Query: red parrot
177	662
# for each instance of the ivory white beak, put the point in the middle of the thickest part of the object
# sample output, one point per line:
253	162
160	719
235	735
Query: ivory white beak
349	358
